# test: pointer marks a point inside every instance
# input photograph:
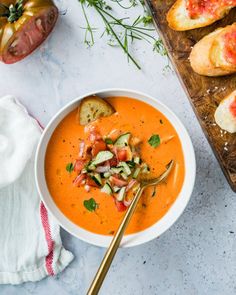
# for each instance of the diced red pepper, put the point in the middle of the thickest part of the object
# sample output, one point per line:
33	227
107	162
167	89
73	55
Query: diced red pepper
79	179
117	182
121	154
79	165
91	182
98	146
120	206
113	162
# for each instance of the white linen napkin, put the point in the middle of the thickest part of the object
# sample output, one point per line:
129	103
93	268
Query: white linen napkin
30	243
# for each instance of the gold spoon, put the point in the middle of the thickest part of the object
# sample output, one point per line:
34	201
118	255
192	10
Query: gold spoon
115	243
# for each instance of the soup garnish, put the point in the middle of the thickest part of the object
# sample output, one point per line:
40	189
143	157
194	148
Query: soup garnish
111	163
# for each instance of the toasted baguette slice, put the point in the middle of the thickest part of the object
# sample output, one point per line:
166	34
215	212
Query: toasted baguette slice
179	19
91	108
217	52
207	56
225	114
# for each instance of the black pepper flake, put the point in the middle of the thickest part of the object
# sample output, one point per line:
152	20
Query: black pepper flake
231	232
161	121
63	140
144	262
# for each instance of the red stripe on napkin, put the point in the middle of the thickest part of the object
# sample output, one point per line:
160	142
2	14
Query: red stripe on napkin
47	231
50	242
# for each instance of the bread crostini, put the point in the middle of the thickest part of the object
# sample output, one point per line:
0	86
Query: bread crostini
215	54
92	108
191	14
225	114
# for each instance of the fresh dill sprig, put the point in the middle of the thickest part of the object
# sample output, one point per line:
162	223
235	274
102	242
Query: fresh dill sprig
88	30
147	19
121	31
160	48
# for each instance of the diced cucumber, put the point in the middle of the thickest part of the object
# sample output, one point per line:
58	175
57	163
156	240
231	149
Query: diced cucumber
125	177
107	174
131	164
145	168
84	170
125	167
136	172
97	179
102	157
91	167
116	189
122	140
137	160
116	170
107	189
121	194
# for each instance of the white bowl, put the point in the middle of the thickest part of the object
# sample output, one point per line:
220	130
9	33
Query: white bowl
133	239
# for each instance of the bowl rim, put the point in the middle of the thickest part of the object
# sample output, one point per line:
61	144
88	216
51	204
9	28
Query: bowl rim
174	211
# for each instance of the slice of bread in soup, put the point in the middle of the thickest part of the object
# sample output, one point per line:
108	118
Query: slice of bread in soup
93	107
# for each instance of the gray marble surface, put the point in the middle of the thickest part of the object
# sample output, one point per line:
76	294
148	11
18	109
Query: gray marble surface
197	256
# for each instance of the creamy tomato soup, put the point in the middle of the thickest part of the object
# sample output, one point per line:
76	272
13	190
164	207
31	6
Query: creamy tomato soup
91	201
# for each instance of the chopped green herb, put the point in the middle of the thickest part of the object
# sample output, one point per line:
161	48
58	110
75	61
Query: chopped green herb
108	141
69	167
90	205
160	48
154	140
146	20
121	31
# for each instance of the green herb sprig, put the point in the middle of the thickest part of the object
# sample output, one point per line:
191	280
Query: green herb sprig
69	167
121	31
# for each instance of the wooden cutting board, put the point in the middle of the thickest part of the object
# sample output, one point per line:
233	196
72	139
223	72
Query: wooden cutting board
204	93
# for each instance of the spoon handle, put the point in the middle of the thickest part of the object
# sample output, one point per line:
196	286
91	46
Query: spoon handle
115	243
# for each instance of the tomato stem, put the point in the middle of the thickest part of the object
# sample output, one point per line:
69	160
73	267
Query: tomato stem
13	12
